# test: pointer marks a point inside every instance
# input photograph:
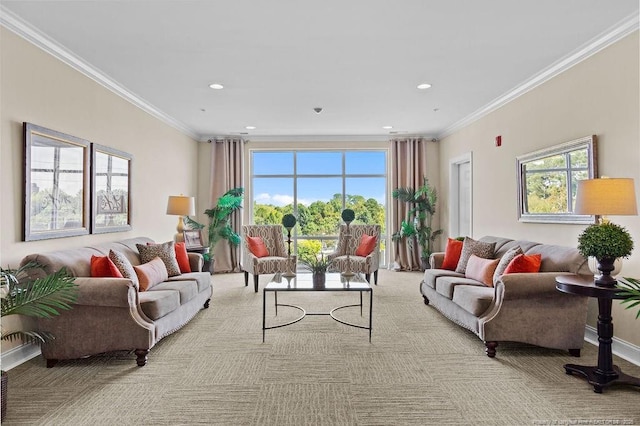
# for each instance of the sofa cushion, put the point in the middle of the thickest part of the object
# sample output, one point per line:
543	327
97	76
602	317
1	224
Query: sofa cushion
431	275
103	267
188	289
481	269
203	279
504	262
524	263
157	303
124	266
151	273
165	251
452	254
560	259
182	257
471	246
446	285
473	299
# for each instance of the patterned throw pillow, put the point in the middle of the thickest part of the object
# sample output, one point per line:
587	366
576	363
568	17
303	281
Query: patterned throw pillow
504	262
471	246
151	273
165	251
124	266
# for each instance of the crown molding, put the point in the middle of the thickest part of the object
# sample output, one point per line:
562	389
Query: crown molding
313	138
615	33
18	26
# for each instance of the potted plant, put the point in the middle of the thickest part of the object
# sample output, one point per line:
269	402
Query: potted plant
41	297
418	224
631	292
606	242
318	266
219	227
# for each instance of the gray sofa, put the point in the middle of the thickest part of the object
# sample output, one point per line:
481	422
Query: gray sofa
521	307
110	314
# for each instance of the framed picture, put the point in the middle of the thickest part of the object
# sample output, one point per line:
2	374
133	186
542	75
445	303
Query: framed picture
193	238
110	190
56	184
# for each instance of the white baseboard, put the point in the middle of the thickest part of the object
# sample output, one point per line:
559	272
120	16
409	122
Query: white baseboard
624	350
16	356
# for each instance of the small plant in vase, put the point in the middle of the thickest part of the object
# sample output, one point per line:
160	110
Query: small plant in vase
318	266
606	242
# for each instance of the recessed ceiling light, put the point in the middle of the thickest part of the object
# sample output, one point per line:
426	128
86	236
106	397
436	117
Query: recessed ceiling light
436	109
216	86
423	86
387	127
250	127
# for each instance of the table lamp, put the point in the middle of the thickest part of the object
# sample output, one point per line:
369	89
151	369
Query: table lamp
181	205
603	197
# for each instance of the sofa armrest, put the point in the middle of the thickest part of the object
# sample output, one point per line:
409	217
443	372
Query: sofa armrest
527	285
116	292
436	259
196	261
332	255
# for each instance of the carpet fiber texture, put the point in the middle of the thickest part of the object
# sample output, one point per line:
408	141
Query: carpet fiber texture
419	369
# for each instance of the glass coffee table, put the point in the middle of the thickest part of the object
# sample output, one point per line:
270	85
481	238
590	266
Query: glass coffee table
303	282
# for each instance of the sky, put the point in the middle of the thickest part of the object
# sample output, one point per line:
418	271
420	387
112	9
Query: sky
319	175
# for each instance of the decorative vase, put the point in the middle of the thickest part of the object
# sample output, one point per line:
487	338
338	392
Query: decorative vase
593	266
318	279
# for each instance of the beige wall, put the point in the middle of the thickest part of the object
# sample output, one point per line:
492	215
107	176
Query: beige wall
598	96
37	88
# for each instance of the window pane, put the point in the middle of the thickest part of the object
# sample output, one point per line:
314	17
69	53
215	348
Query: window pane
366	196
553	162
319	163
272	163
365	162
322	198
579	159
547	192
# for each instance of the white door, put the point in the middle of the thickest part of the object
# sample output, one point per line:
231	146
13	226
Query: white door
460	201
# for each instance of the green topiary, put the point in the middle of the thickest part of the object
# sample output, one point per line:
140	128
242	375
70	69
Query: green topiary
348	215
606	240
289	221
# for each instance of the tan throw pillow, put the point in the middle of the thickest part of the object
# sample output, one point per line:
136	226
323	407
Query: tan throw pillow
471	246
124	266
482	270
151	273
504	262
165	251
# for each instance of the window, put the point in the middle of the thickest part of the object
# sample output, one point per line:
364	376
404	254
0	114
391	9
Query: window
316	186
547	181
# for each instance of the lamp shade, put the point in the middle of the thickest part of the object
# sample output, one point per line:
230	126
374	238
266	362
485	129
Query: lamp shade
181	205
606	196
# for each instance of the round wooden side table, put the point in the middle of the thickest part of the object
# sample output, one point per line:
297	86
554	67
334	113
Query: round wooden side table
605	373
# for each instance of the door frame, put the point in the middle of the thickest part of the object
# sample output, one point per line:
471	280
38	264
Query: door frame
454	193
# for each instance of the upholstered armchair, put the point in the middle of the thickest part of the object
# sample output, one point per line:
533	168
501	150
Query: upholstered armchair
275	260
366	265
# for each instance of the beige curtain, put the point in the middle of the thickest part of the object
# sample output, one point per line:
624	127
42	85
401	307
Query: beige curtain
227	163
408	168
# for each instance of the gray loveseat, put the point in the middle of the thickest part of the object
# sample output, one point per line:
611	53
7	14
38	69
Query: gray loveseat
111	314
521	307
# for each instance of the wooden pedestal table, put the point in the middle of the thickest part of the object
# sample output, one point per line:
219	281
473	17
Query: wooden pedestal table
605	373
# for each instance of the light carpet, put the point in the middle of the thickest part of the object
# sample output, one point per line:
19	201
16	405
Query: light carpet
419	369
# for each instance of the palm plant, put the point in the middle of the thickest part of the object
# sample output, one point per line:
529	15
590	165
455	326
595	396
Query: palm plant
220	219
42	297
630	292
418	224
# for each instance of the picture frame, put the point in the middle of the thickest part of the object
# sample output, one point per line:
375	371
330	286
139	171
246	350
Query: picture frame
547	181
193	238
56	184
110	190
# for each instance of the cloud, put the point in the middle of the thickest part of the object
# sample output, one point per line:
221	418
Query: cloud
278	199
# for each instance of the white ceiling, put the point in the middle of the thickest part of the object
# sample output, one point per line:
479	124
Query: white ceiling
360	60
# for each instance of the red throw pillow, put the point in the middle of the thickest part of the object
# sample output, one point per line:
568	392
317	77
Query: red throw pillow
524	263
182	257
367	245
452	254
103	267
257	247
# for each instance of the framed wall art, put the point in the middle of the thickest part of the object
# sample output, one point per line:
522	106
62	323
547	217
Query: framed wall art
110	190
547	181
56	184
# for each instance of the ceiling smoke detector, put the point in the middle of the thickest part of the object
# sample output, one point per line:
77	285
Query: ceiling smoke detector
318	110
